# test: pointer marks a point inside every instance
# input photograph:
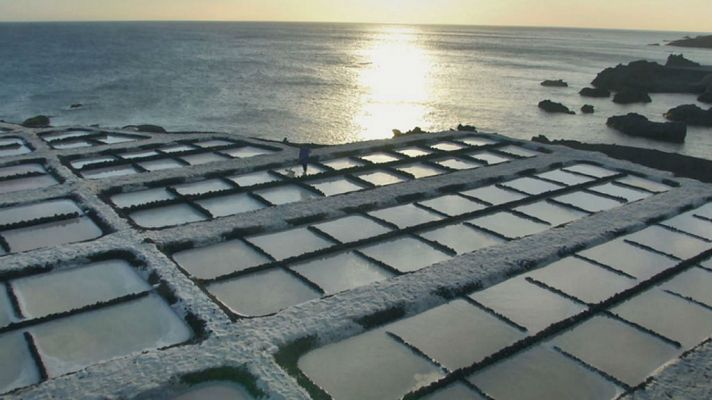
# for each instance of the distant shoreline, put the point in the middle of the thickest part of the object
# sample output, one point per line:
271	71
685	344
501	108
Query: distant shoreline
700	42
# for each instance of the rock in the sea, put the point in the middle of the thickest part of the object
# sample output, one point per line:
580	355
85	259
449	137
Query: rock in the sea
652	77
414	131
146	128
466	128
705	97
587	109
704	42
39	121
630	96
675	60
638	125
76	105
595	92
552	107
691	115
556	83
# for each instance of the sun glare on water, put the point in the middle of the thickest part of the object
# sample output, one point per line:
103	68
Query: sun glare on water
395	84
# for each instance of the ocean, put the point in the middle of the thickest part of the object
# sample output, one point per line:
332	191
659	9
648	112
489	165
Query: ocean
327	83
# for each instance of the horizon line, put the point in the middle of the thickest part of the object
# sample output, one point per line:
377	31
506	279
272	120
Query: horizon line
347	23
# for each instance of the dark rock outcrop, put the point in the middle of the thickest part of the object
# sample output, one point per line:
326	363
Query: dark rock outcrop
414	131
684	166
76	105
704	42
146	128
466	128
630	96
587	109
556	83
675	60
552	107
652	77
39	121
638	125
690	114
595	92
705	97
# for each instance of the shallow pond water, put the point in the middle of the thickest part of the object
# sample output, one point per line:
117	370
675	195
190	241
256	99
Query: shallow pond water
34	182
17	368
642	183
132	155
668	315
689	223
342	163
290	243
335	186
262	293
405	254
109	172
531	186
60	135
83	162
215	391
413	151
164	216
631	259
71	289
509	225
582	280
552	213
454	391
519	151
489	158
695	283
51	234
457	163
21	169
457	334
494	195
74	144
115	138
161	164
253	178
204	158
453	205
567	178
19	150
380	178
405	216
352	228
130	199
630	195
247	152
461	238
11	215
201	187
232	204
542	373
72	343
526	304
286	194
477	141
379	367
620	350
669	242
591	170
588	201
420	170
177	148
379	157
209	144
219	259
447	146
340	272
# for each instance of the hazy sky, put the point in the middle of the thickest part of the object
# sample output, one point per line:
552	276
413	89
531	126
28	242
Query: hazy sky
682	15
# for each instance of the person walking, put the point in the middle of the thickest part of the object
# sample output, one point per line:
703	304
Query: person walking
304	153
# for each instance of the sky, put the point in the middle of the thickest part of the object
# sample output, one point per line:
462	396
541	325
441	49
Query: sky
677	15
